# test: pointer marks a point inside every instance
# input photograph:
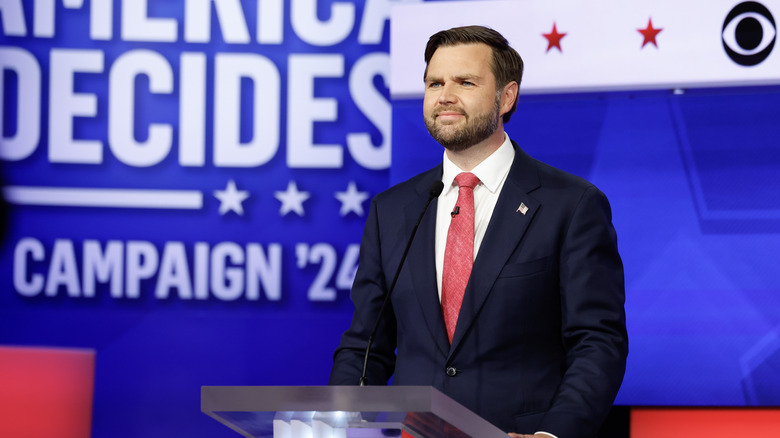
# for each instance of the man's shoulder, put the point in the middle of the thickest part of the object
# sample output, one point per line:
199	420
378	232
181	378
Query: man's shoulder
419	184
547	175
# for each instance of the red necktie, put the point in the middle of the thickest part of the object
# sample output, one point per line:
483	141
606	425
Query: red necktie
459	252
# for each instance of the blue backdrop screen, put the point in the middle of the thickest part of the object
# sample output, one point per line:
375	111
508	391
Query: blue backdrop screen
187	187
188	183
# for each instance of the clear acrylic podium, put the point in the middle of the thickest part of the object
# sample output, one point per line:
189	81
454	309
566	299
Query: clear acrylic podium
342	412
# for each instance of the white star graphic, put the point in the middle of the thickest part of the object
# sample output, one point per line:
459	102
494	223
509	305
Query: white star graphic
231	198
291	199
351	200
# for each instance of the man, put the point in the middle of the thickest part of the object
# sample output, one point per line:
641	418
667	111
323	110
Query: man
531	336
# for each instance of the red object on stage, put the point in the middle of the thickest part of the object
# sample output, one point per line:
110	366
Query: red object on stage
46	392
704	422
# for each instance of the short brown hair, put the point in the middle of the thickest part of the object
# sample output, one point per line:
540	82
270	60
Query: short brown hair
506	64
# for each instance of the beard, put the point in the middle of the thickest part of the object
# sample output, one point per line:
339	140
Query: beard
478	127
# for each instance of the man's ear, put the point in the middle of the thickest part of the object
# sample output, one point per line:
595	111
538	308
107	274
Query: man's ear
508	97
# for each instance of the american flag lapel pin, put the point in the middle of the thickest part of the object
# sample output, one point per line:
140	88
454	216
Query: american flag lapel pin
522	208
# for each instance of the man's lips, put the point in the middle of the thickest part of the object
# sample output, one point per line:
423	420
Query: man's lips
449	115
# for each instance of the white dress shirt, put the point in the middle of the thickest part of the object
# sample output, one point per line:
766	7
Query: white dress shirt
492	173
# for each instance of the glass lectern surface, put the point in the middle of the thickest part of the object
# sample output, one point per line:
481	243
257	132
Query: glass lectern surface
342	412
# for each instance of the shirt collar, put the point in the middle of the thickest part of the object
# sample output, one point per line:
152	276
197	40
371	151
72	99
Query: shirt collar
491	171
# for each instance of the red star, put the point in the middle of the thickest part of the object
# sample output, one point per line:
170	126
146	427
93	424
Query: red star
554	39
649	33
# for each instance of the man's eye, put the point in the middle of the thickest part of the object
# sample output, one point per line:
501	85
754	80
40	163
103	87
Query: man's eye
434	85
468	84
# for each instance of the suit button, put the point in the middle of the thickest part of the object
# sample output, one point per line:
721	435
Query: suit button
451	371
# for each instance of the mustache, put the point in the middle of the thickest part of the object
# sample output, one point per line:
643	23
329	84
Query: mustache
437	111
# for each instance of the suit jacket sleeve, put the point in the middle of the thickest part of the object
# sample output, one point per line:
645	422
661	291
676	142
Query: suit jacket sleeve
368	291
593	321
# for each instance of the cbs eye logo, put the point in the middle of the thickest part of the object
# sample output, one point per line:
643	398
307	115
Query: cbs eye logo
749	33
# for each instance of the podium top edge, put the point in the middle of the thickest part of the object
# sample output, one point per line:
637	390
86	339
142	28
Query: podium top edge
319	398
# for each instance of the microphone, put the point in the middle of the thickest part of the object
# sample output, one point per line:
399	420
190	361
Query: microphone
433	192
455	212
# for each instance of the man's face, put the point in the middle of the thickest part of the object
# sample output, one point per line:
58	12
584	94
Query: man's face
461	105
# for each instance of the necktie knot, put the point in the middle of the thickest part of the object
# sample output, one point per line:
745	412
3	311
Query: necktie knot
467	179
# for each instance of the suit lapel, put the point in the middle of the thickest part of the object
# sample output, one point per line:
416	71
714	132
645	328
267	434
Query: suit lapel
421	263
507	226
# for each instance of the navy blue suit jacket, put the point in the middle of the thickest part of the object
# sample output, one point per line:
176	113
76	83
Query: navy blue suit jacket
541	340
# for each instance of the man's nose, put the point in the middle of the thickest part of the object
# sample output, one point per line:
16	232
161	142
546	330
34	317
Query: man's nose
447	94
